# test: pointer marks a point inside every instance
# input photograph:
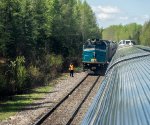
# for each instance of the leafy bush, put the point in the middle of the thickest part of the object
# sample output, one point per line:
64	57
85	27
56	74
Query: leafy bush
34	71
53	66
34	75
19	73
54	60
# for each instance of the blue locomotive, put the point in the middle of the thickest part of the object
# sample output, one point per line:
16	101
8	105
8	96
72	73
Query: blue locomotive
97	53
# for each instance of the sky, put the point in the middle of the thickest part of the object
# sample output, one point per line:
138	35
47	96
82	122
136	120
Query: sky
115	12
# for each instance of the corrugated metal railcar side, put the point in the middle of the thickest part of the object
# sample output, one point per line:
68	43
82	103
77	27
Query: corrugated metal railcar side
124	95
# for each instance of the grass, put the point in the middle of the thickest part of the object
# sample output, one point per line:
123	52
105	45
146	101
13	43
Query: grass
17	102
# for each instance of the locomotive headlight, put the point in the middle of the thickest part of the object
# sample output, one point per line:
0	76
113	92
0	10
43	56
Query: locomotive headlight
93	60
94	57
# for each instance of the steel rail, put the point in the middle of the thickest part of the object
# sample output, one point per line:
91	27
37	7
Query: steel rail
84	99
46	115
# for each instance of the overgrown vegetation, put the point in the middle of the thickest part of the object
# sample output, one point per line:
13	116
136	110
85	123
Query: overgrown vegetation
39	38
145	34
17	103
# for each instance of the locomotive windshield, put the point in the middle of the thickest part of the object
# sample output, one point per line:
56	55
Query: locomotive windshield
88	45
101	44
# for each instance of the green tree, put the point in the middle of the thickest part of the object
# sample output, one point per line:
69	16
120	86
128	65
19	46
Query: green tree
119	32
144	36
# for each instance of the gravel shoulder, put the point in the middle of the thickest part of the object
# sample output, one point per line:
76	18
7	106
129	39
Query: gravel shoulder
37	108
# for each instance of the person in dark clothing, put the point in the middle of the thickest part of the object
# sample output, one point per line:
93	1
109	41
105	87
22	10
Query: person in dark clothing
71	69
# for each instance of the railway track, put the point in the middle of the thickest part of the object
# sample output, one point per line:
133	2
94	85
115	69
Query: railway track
67	109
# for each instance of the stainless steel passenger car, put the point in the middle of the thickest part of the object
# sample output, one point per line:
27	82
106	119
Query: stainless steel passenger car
124	95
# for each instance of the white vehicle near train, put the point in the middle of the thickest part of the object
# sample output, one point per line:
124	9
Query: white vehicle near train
127	42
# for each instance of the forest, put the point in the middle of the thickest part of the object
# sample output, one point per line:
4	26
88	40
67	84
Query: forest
39	38
137	32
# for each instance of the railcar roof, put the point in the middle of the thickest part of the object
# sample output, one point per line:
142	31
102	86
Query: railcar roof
126	53
124	95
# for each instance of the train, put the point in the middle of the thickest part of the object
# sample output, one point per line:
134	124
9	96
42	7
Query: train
123	96
97	53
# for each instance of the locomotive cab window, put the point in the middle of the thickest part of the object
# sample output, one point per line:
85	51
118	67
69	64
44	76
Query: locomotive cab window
101	45
88	45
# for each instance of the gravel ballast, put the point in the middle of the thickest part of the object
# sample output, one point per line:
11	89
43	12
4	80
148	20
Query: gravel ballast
66	110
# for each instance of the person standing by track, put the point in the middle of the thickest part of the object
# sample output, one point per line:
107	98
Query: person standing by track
71	69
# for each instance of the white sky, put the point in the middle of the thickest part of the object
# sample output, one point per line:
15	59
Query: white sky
115	12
